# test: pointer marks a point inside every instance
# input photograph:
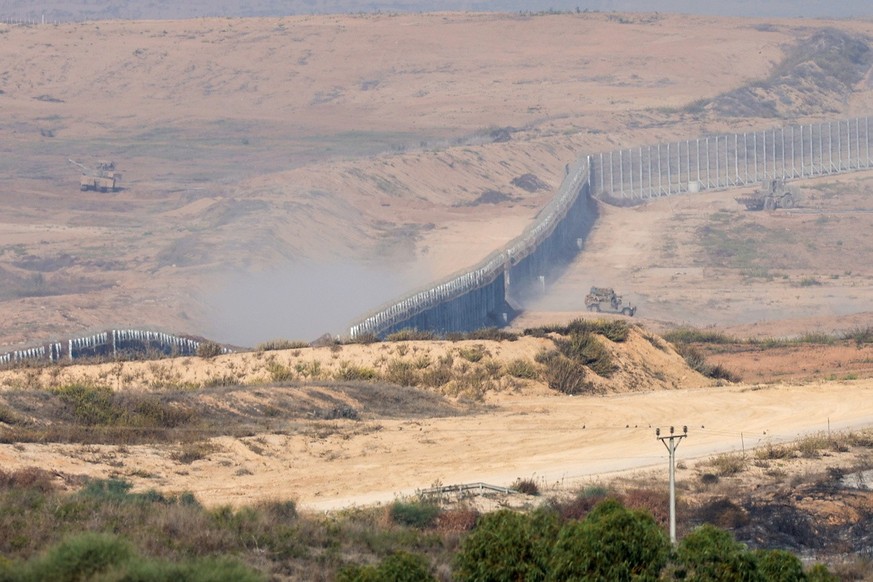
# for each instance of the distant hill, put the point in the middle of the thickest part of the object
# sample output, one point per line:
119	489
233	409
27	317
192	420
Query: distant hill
77	10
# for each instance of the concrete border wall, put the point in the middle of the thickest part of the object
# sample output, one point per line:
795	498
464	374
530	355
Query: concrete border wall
478	297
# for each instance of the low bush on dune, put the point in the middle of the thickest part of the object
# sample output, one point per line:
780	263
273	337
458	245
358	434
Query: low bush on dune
616	330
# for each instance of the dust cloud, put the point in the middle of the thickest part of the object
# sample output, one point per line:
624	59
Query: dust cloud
299	301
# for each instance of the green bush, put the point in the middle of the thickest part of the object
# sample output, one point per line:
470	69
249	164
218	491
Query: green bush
820	573
399	567
779	566
507	546
710	553
98	556
414	514
89	404
80	557
612	543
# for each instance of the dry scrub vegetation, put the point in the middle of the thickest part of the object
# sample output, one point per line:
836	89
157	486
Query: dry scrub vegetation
282	387
235	409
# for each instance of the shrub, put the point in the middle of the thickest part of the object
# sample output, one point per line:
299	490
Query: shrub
615	330
612	543
401	372
820	573
526	486
697	362
779	566
507	546
209	349
190	452
414	514
399	567
491	333
522	368
586	349
689	335
860	335
728	464
96	556
279	373
365	338
406	335
437	376
27	478
81	557
88	404
350	372
457	519
473	353
281	344
565	375
709	553
581	504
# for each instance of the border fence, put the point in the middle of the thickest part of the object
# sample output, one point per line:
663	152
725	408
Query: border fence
732	160
110	344
481	296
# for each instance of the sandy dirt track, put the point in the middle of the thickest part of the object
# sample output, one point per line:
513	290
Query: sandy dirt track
557	440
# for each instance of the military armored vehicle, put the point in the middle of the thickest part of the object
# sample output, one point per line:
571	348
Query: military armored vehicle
604	299
103	178
775	194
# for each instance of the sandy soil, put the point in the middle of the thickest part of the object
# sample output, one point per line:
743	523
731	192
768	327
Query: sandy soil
253	148
520	430
559	441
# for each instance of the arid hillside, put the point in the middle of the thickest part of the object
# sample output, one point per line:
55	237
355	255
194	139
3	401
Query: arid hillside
283	175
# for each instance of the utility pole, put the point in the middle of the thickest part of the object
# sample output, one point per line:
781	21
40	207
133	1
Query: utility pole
672	441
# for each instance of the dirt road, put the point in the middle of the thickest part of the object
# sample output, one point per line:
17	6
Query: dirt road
557	440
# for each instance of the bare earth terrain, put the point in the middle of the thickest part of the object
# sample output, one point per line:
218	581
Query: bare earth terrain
273	167
498	430
284	175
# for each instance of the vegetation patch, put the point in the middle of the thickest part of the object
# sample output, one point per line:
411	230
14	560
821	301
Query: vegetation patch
615	330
